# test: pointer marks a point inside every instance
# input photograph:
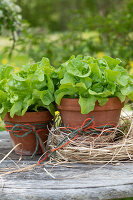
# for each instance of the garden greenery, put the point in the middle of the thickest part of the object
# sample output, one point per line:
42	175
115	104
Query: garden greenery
92	80
31	89
10	17
77	27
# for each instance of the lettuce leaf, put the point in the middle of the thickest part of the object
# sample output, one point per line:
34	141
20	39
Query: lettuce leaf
77	67
111	61
87	104
65	89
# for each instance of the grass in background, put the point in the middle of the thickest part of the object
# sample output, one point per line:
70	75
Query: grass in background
17	59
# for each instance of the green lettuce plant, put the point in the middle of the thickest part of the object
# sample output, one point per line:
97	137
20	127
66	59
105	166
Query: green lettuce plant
30	89
92	80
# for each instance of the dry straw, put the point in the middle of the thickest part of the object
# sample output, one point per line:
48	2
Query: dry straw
116	147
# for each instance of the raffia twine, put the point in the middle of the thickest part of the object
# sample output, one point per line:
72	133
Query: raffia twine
116	147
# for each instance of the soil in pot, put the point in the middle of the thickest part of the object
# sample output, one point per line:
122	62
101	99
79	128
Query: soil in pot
32	121
108	114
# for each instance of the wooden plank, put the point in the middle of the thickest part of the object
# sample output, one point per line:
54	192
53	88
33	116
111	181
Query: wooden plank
6	146
72	194
90	182
5	141
73	181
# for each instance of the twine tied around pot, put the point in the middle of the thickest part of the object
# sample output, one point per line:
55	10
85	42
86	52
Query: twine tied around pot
88	127
27	129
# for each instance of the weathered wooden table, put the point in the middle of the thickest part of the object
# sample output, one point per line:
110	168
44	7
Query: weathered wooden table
73	181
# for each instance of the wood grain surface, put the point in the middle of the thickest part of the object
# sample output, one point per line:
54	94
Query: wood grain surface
68	181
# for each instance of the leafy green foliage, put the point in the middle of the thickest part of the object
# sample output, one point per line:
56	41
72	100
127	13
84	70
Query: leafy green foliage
58	47
84	27
63	28
112	20
30	89
10	17
92	80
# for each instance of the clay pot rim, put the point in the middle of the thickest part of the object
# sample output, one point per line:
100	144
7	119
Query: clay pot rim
78	98
30	117
112	104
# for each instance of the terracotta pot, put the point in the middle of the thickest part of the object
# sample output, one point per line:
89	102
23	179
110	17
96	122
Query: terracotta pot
71	112
28	142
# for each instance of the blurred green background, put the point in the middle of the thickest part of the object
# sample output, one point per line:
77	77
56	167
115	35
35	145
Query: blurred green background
58	29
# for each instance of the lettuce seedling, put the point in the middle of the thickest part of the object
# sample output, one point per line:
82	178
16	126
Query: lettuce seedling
30	89
91	80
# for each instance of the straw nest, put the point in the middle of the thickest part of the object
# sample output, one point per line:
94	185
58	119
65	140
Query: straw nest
115	147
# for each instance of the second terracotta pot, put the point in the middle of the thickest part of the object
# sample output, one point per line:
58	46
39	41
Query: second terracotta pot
108	114
28	143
